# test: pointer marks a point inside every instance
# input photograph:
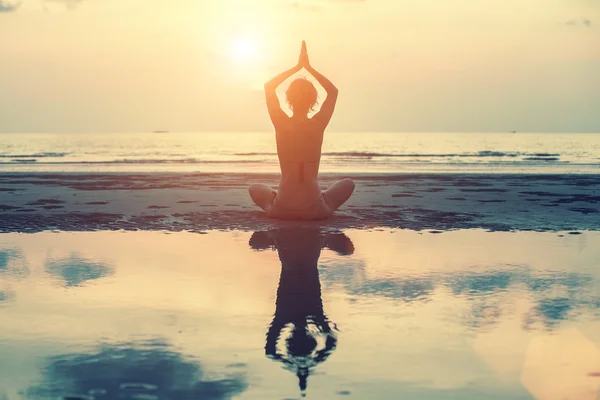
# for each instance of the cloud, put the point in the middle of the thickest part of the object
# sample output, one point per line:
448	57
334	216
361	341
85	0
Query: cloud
579	22
6	296
75	270
149	370
484	291
13	264
8	7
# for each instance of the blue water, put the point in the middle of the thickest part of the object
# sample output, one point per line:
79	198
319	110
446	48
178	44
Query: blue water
280	313
342	152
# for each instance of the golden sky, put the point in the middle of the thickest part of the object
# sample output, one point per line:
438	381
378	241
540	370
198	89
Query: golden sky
189	65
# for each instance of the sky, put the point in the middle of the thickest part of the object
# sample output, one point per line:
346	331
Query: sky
200	65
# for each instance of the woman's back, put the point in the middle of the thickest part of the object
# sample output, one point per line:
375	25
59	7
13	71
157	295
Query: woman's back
299	144
299	140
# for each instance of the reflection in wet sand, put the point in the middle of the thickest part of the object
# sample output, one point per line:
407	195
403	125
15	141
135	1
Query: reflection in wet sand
556	296
466	314
13	267
5	296
300	335
12	264
142	370
75	270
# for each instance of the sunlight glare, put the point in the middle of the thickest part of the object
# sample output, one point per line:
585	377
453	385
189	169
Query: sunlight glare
244	50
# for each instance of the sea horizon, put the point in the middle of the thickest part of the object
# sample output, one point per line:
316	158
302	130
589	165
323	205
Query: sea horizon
342	152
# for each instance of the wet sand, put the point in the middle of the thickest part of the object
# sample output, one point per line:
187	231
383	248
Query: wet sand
200	202
465	314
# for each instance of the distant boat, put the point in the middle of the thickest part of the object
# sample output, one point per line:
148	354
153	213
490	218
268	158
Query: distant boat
161	131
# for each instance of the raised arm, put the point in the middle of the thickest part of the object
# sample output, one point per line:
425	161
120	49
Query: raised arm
275	111
324	115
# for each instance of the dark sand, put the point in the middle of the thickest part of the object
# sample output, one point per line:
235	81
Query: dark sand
198	202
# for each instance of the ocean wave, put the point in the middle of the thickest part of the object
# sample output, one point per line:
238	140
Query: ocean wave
132	161
255	154
541	159
365	154
349	157
23	161
331	157
176	161
35	155
331	162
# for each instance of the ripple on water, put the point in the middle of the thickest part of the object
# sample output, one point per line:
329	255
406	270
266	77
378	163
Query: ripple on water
77	397
138	386
144	396
139	390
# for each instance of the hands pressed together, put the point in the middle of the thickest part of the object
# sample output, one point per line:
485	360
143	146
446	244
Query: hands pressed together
303	61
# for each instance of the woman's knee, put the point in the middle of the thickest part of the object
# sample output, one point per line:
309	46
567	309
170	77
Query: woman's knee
339	193
261	194
254	188
256	192
345	187
349	184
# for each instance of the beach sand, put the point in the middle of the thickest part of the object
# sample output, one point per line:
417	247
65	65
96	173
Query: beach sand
435	289
31	202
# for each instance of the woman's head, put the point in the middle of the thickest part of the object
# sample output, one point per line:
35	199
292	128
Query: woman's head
301	95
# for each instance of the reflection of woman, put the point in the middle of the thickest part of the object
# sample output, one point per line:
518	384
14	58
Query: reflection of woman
308	336
299	139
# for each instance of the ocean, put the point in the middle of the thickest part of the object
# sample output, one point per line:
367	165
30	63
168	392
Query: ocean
367	152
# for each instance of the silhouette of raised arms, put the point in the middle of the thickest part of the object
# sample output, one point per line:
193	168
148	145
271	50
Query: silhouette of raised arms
278	115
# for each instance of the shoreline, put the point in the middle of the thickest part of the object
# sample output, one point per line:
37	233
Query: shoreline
197	202
324	175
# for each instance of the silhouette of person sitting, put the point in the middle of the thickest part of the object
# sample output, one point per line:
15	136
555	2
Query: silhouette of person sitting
299	140
300	335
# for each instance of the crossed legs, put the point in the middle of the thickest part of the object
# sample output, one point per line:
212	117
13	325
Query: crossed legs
262	195
337	194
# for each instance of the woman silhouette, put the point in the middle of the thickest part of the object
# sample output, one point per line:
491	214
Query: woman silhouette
300	335
299	140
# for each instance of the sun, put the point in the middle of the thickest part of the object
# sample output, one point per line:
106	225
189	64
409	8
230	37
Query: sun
244	50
